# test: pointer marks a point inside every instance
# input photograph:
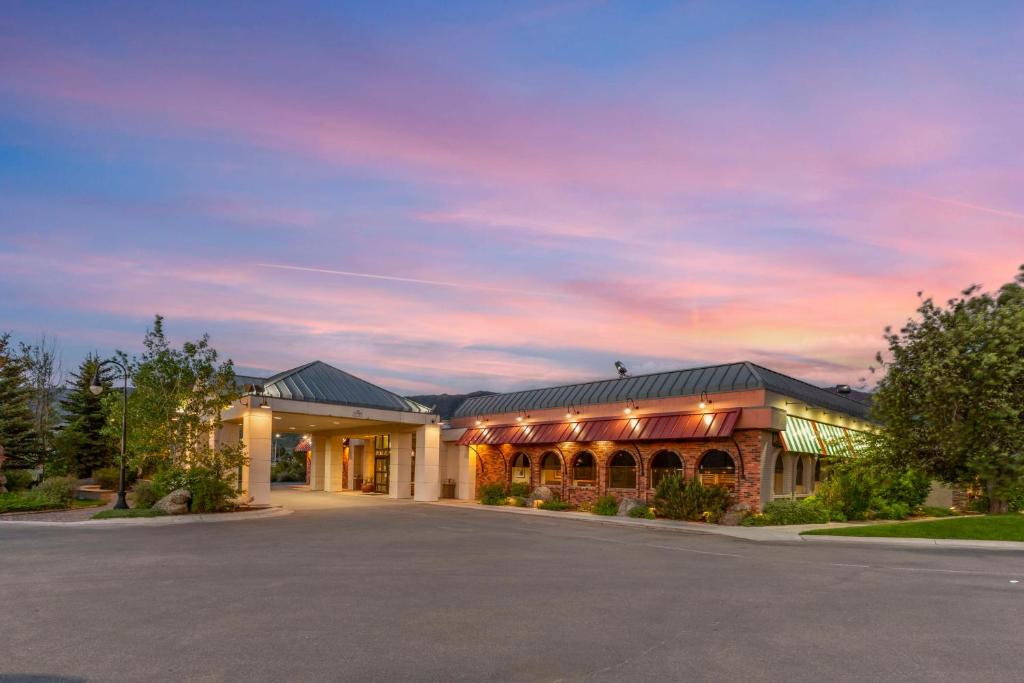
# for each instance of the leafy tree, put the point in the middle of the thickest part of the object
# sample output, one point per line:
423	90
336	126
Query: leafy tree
43	372
952	399
83	445
174	406
17	430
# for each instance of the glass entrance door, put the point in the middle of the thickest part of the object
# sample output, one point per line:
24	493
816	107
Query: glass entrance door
381	470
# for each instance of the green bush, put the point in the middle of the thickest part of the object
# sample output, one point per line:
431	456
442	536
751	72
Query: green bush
493	494
25	501
790	511
692	501
932	511
291	467
144	495
108	477
607	506
58	490
19	480
519	489
555	505
211	493
867	488
642	512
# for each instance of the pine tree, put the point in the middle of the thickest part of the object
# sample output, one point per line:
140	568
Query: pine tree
17	430
83	445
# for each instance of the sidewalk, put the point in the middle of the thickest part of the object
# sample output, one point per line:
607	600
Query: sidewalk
761	534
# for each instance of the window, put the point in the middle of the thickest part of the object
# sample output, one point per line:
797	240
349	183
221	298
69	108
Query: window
622	471
521	469
818	474
663	464
779	480
798	476
717	468
584	470
551	469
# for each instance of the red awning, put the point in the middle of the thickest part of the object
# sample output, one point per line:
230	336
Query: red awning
303	447
648	428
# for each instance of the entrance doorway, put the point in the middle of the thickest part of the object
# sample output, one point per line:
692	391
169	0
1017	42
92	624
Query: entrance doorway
381	463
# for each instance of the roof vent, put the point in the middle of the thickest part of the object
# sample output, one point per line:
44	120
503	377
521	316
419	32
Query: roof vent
843	388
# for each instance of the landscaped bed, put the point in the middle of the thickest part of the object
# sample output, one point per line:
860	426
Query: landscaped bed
29	501
131	513
981	528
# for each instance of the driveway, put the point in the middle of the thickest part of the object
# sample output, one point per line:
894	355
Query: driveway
363	588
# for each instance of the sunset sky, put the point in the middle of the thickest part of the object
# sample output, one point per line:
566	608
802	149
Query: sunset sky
470	195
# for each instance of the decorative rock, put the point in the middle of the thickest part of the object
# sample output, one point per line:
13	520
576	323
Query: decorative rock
542	493
175	502
627	504
732	517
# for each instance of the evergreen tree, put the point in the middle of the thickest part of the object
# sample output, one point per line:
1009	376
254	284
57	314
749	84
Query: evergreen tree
17	430
83	444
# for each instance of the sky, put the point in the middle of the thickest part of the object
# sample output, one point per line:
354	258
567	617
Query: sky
471	195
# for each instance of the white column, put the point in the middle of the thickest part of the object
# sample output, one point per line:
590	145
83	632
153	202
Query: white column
333	463
465	489
257	435
400	478
316	465
428	465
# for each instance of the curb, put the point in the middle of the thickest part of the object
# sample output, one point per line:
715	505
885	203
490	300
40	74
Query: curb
155	521
926	542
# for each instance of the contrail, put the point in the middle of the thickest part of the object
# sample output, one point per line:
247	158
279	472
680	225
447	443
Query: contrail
415	281
976	207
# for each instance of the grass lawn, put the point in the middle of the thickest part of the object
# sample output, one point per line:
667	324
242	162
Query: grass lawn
133	512
983	528
29	501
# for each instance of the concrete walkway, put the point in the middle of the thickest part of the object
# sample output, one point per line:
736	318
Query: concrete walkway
790	533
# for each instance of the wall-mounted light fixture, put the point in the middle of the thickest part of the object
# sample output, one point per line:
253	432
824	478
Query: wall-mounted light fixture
631	407
481	420
523	415
705	400
571	412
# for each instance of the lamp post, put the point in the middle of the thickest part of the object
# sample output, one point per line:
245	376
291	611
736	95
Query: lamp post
96	388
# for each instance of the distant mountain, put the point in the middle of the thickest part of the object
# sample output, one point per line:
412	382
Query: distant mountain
445	405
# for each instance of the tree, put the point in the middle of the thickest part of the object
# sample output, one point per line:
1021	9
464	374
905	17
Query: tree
174	406
952	398
43	367
17	431
84	445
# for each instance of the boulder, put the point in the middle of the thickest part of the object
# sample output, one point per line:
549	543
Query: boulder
733	517
175	502
542	493
627	504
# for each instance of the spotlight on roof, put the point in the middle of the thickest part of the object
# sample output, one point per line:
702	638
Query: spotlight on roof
621	369
843	388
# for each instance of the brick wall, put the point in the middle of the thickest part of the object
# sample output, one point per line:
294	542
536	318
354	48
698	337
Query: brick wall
494	465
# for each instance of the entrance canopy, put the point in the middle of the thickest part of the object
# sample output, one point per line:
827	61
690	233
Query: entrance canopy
333	408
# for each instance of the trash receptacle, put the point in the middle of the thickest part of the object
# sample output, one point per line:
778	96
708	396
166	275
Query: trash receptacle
448	489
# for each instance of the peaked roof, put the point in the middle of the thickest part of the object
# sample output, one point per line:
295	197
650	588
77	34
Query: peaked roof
690	382
318	382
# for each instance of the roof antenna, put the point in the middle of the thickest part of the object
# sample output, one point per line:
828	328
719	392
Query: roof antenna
623	372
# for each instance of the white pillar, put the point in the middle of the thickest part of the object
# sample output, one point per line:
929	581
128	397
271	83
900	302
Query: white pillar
465	489
257	434
333	463
316	465
428	465
400	477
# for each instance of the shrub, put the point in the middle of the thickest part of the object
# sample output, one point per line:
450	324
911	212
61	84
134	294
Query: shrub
291	467
790	511
19	480
58	490
493	494
868	488
519	489
211	493
932	511
555	505
518	501
692	501
642	512
107	477
607	506
144	495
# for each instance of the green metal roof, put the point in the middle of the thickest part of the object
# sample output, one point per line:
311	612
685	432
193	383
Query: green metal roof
690	382
318	382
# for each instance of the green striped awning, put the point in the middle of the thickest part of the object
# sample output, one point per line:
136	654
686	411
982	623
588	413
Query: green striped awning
817	438
800	436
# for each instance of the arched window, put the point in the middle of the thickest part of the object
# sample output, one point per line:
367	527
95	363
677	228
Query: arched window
622	471
584	470
779	480
551	469
663	464
717	468
798	476
818	474
521	468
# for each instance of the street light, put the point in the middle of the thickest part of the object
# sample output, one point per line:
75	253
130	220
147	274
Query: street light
96	388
